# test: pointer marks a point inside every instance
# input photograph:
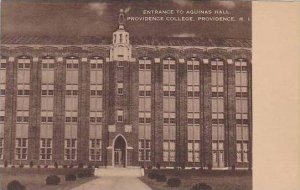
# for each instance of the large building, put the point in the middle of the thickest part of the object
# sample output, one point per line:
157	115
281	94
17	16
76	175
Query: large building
126	101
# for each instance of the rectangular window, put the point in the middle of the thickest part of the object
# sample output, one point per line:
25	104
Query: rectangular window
1	147
120	88
45	149
242	151
21	148
169	151
95	150
144	150
96	63
194	151
120	115
70	149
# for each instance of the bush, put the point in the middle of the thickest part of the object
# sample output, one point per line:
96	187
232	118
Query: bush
149	167
38	166
70	177
46	166
201	186
31	164
96	166
182	166
80	165
21	166
161	178
71	166
158	165
85	173
174	182
152	175
65	166
90	166
15	185
55	165
52	180
233	167
5	163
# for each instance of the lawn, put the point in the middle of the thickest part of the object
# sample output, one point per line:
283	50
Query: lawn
218	180
35	179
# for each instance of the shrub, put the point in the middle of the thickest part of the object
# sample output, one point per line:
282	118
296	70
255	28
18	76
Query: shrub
85	173
55	165
12	166
70	177
201	186
31	164
182	166
149	167
52	180
152	175
209	166
174	182
65	166
158	165
38	166
15	185
21	166
96	166
233	167
80	165
71	166
46	166
5	163
161	178
90	166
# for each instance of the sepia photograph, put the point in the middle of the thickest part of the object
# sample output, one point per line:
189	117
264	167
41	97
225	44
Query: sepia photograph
108	95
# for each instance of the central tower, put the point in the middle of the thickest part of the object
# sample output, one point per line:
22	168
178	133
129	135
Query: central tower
121	48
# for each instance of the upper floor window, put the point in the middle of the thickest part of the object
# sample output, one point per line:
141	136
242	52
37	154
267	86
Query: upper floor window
193	64
48	62
72	62
145	64
24	62
96	63
169	64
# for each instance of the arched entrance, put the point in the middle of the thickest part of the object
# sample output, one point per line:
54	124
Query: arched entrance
119	152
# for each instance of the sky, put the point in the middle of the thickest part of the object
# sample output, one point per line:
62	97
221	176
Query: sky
100	18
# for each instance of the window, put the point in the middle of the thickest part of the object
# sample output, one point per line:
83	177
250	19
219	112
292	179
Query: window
218	154
145	64
47	63
23	92
72	63
46	119
47	92
24	119
24	62
120	116
21	148
96	63
70	149
144	150
217	103
45	149
169	151
242	122
242	152
120	88
193	151
1	147
71	119
95	149
3	63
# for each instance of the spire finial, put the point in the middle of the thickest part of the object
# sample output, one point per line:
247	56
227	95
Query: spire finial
121	19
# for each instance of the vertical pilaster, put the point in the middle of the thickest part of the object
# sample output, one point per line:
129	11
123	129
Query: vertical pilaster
83	111
10	110
59	111
158	110
207	120
181	116
230	136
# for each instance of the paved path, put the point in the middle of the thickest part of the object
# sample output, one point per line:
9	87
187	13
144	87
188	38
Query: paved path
114	183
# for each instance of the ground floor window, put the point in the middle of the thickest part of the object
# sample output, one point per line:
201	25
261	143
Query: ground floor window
1	148
218	154
95	149
70	149
21	148
194	151
169	151
46	149
242	152
144	150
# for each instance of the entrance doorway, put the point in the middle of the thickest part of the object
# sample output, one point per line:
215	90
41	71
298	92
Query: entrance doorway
120	152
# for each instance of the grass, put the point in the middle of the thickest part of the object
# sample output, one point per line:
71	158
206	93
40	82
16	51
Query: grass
218	180
35	179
